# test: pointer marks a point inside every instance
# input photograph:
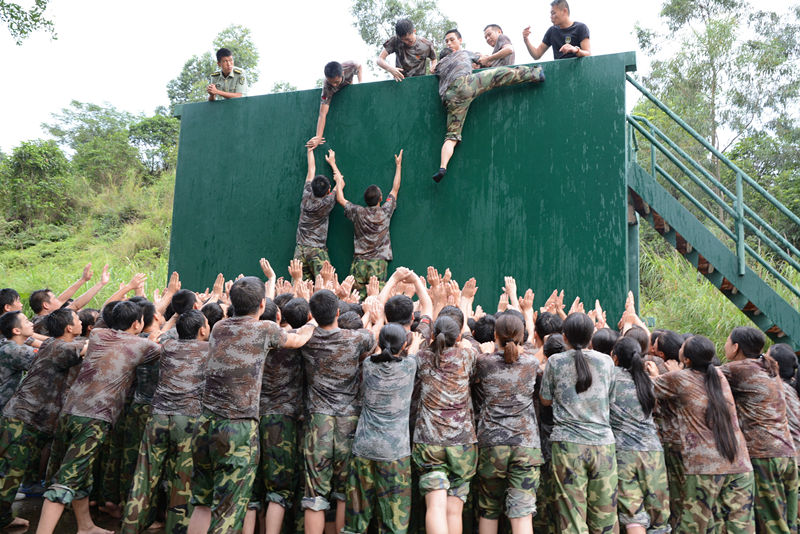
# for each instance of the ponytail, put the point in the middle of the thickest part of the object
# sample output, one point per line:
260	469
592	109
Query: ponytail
391	340
629	356
446	332
509	331
578	329
385	356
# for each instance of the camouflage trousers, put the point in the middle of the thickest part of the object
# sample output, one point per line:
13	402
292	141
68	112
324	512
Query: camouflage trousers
57	450
676	479
74	478
714	501
445	468
327	450
165	451
20	445
643	495
511	475
775	494
225	458
312	259
464	90
546	518
109	469
276	478
585	483
132	432
363	270
387	484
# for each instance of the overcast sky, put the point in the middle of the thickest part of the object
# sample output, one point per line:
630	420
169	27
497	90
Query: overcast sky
124	53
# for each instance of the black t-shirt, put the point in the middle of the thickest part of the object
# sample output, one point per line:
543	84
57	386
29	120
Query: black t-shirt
557	37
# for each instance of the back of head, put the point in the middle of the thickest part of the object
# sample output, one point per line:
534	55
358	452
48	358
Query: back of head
324	306
223	52
88	317
320	186
399	309
372	195
603	340
509	331
58	321
484	329
183	300
669	343
390	340
38	299
282	299
629	356
554	344
578	329
270	312
8	322
246	295
350	321
295	312
190	323
750	340
148	311
548	323
213	312
786	358
107	313
453	313
333	70
445	334
8	297
640	335
125	313
403	27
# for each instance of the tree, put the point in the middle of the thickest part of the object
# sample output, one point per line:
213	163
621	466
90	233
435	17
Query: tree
33	181
81	122
157	139
190	85
22	22
283	87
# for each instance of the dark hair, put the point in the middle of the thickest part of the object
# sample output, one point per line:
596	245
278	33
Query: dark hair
629	357
495	26
107	313
669	343
640	335
270	311
391	341
445	334
403	27
399	309
189	324
8	297
560	3
148	310
8	322
484	329
223	52
518	315
333	70
295	312
324	305
578	329
750	340
58	321
247	294
700	351
281	300
554	345
654	335
320	185
603	340
183	300
354	307
125	313
454	313
350	321
547	323
372	195
508	331
38	299
88	317
415	321
455	31
786	359
213	312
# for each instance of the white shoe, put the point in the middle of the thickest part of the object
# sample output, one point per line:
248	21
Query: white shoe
19	496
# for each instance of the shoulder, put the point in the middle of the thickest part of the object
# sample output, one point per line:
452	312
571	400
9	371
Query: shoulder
503	39
216	73
425	42
392	43
238	71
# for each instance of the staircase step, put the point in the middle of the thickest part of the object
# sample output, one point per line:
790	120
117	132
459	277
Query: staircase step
704	266
639	205
727	285
683	246
661	226
750	307
776	331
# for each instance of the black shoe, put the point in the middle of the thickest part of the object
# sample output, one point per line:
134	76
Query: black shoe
439	175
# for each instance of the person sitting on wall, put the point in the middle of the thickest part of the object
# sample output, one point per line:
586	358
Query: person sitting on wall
503	52
458	87
228	81
337	77
568	38
410	52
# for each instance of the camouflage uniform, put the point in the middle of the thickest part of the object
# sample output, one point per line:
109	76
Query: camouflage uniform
412	59
312	231
448	468
761	407
327	451
387	484
793	417
20	444
363	270
458	86
74	478
718	500
132	433
14	360
508	435
349	70
372	245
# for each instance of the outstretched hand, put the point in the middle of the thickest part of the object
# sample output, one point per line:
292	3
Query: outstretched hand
398	158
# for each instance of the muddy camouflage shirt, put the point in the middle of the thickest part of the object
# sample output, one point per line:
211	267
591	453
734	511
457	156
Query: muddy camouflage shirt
410	58
14	360
146	380
237	350
632	430
793	414
504	401
349	69
312	228
38	399
182	376
282	383
371	240
107	373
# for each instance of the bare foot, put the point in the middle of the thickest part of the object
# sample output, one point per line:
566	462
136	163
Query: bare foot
17	523
96	530
112	510
156	525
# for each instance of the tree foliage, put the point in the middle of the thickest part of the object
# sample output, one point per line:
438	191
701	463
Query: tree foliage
375	19
22	22
283	87
33	181
157	140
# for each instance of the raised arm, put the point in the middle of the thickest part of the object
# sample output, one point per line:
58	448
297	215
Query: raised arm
312	163
84	299
337	178
425	302
397	73
398	162
535	51
137	280
71	290
318	138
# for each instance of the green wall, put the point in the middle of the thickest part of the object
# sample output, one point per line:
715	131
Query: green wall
536	189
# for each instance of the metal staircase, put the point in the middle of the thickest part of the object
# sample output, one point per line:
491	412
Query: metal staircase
712	226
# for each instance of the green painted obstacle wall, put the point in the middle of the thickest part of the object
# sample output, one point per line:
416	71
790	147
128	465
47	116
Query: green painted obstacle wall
536	189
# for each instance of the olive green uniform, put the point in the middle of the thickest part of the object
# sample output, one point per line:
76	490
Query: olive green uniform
235	82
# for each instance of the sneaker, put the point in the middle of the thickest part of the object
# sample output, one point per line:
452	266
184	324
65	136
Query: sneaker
439	175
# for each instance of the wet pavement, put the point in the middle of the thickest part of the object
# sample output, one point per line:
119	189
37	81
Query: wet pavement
31	507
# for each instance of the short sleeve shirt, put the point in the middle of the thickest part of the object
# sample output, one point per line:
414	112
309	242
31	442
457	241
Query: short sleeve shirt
312	228
182	376
332	367
38	399
282	383
793	414
556	37
503	40
107	373
14	360
454	66
371	240
235	82
687	391
761	408
632	429
237	349
146	381
410	58
445	416
581	418
382	433
349	70
504	401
